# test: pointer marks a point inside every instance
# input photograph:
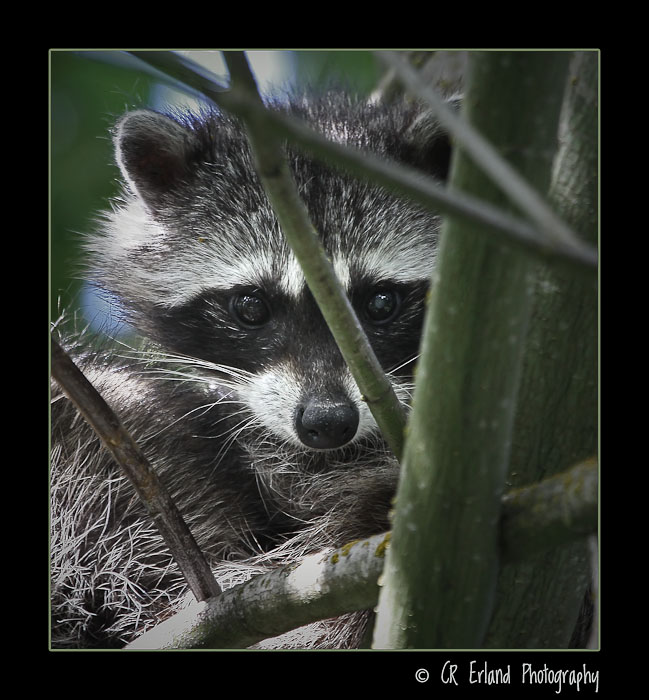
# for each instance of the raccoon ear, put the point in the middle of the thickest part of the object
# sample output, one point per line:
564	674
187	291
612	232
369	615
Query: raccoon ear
428	146
154	153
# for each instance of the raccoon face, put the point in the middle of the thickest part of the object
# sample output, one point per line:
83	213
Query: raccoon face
196	256
292	377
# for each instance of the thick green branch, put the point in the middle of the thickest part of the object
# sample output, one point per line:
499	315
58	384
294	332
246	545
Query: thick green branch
443	565
539	600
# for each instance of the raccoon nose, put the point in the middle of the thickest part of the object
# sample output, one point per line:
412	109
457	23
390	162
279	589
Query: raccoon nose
326	424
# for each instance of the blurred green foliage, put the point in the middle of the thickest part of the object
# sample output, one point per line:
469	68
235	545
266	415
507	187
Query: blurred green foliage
357	71
86	97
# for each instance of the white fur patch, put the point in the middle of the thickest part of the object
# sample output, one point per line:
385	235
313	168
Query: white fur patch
291	278
411	261
399	268
273	396
341	268
174	274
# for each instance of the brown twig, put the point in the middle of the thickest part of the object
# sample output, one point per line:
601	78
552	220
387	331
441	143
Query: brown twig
130	458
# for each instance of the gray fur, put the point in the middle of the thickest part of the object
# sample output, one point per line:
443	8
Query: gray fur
192	222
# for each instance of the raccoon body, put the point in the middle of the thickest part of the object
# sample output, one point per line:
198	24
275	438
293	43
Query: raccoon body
238	395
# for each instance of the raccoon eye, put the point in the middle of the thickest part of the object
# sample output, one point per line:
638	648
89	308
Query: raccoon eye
250	309
382	306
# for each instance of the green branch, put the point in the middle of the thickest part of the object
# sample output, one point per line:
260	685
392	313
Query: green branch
557	510
443	565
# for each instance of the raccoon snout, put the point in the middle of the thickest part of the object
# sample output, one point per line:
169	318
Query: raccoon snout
325	424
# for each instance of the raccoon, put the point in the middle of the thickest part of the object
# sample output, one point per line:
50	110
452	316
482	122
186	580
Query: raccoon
236	392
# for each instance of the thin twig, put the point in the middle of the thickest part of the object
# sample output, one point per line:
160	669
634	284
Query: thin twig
395	176
317	268
487	158
130	458
551	512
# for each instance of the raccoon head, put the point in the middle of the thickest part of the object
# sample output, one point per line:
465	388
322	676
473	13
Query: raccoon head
195	255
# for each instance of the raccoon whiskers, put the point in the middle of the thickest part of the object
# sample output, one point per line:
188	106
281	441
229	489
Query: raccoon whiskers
394	370
220	381
232	435
197	411
203	373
